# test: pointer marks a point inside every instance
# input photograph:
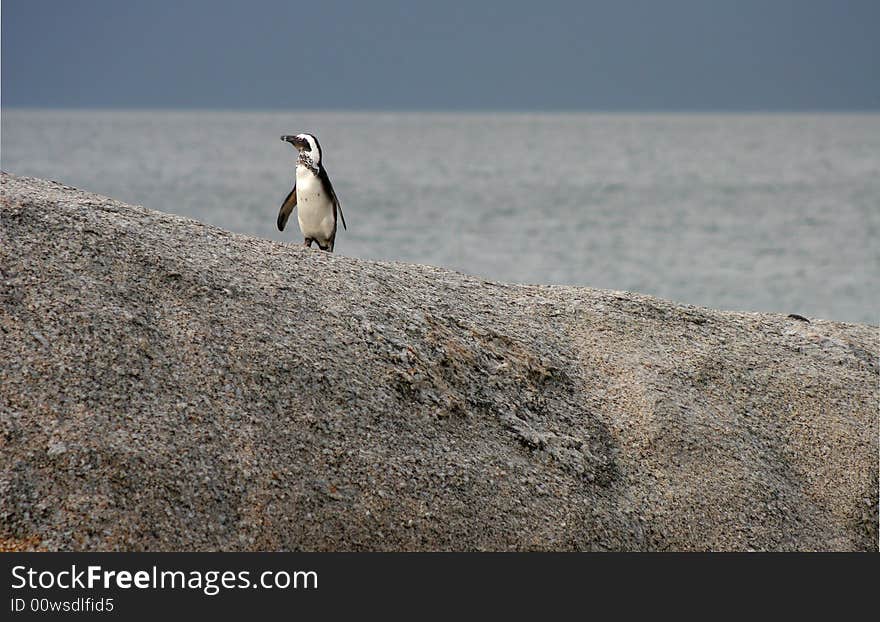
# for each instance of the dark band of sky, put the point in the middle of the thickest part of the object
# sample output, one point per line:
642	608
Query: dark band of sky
638	55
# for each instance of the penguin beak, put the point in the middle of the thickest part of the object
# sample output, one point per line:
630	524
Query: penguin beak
293	140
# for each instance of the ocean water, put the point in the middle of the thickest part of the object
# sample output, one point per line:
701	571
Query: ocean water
752	212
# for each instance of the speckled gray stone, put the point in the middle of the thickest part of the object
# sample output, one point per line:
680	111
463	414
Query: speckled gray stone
167	385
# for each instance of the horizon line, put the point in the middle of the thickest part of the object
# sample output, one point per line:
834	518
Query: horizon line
506	111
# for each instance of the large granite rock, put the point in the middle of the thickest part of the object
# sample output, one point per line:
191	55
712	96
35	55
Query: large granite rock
167	385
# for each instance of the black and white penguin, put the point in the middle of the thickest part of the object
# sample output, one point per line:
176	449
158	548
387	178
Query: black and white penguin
313	194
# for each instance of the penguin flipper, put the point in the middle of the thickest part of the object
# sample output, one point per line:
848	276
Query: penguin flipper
328	187
338	206
287	208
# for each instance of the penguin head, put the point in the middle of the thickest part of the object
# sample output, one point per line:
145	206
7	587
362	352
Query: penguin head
307	146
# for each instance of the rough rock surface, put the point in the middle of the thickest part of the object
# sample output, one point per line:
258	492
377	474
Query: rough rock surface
167	385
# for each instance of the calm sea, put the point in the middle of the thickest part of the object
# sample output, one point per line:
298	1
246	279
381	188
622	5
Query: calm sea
746	212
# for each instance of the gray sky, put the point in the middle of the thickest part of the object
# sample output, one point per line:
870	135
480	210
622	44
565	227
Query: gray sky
532	55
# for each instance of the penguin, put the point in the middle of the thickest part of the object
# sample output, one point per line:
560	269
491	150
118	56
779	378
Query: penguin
313	194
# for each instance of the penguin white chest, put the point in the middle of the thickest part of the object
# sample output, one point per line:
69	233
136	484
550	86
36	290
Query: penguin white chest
314	206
